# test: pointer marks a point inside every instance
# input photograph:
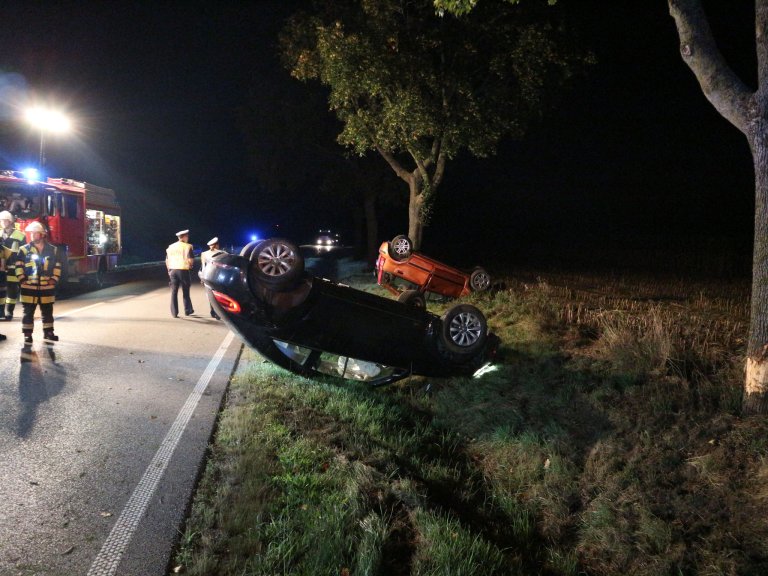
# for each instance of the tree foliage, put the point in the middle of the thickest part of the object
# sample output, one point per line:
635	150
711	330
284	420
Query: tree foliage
294	157
419	88
462	7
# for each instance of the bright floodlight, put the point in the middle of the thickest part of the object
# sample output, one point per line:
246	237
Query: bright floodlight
30	174
48	120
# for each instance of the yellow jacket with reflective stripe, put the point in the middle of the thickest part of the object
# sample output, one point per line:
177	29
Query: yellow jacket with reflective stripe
178	256
38	272
5	257
13	242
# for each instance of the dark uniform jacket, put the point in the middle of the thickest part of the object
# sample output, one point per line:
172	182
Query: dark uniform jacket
39	273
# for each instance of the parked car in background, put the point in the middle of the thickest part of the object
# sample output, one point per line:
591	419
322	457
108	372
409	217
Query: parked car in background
313	326
397	259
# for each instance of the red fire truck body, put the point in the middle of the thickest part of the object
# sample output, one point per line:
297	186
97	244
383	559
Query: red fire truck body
83	220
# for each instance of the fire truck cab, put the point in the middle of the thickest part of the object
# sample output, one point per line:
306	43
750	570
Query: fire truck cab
83	220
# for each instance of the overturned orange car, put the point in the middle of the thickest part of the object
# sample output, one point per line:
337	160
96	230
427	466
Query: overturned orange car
397	259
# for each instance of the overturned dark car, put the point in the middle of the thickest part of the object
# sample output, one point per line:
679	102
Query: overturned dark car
313	326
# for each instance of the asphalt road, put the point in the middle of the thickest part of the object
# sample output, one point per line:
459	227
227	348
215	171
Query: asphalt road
102	434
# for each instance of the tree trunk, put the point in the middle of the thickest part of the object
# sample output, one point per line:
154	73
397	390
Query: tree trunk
415	224
371	227
756	384
747	111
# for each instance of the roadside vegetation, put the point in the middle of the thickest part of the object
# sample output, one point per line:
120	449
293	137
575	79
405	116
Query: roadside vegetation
607	440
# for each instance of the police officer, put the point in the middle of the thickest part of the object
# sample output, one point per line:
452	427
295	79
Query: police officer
205	257
179	260
13	239
38	270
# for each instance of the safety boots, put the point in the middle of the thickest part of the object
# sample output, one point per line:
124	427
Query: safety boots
9	311
49	336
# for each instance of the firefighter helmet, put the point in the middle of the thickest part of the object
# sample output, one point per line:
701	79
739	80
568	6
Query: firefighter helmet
35	227
5	215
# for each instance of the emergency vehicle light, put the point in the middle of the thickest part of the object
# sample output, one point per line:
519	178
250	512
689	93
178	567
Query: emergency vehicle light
229	304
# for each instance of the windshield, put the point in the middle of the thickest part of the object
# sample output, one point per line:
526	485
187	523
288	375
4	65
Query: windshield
340	366
21	199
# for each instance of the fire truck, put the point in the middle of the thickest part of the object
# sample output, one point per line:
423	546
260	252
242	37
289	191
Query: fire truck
83	220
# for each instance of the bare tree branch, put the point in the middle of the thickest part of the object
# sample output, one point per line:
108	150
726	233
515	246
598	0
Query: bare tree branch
401	172
720	84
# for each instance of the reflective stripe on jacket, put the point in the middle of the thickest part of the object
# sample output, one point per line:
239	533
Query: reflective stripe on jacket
38	272
179	256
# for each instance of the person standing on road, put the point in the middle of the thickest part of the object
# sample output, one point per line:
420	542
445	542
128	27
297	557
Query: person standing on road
6	260
13	239
38	270
179	260
205	257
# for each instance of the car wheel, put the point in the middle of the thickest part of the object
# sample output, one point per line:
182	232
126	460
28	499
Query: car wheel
464	329
479	280
277	263
413	298
400	248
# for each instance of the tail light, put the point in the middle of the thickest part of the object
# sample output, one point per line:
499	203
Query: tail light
229	304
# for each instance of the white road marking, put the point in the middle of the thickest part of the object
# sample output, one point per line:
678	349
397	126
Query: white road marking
114	547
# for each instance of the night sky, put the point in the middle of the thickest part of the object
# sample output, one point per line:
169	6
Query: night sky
634	157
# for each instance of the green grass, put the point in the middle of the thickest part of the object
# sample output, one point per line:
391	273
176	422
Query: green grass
608	439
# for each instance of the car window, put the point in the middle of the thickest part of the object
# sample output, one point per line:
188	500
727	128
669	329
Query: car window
298	354
338	366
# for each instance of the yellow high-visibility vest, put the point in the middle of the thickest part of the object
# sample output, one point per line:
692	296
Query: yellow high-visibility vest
179	256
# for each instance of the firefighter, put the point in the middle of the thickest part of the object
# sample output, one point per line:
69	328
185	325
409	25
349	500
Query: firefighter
6	256
205	257
179	260
38	270
13	239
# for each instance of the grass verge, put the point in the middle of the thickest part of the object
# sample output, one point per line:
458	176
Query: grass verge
608	440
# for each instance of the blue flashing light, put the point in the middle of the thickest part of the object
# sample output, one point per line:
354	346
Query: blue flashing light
254	237
31	174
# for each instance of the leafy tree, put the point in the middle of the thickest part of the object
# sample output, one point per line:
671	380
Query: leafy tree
294	156
418	88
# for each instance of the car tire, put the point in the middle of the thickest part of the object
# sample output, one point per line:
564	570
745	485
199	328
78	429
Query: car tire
479	280
277	264
464	329
400	248
413	298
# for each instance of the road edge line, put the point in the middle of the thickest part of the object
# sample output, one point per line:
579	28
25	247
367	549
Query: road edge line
111	553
